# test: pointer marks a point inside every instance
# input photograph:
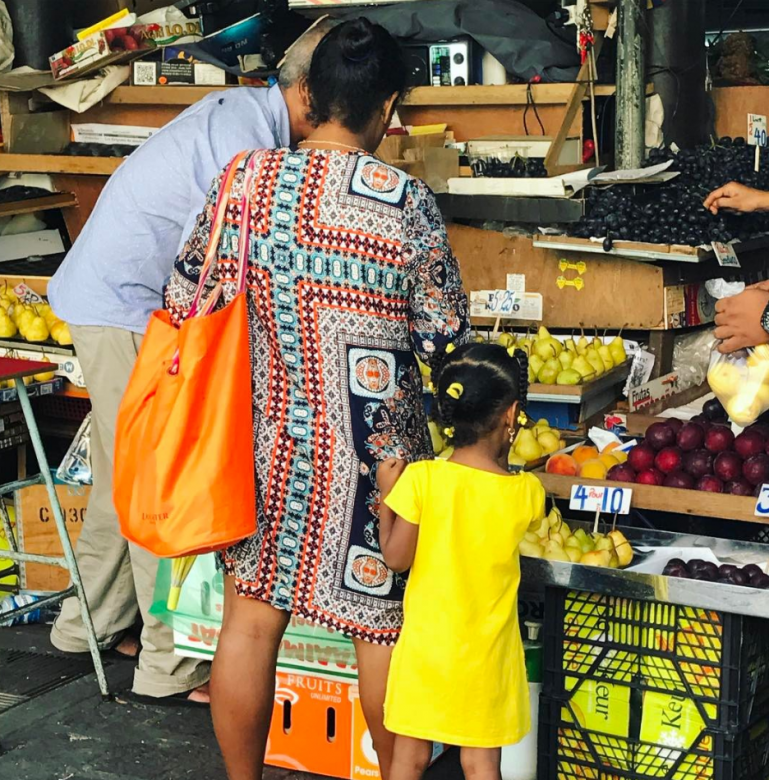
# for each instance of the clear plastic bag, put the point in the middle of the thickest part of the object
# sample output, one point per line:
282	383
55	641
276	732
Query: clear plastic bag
740	381
75	469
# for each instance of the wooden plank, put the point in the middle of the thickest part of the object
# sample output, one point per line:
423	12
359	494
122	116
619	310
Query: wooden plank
474	95
87	190
663	499
579	92
37	283
53	163
57	200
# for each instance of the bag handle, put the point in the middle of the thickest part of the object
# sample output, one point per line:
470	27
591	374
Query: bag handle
222	203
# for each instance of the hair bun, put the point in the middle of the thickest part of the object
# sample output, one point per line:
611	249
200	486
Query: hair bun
356	40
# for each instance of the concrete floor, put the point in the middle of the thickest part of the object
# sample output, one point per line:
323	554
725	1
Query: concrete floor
69	734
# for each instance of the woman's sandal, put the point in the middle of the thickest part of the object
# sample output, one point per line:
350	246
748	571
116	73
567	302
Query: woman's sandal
175	700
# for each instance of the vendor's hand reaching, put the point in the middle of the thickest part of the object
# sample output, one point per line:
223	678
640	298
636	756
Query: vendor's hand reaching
738	320
388	473
737	197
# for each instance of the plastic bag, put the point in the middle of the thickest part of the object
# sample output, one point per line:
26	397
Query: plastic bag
75	469
740	381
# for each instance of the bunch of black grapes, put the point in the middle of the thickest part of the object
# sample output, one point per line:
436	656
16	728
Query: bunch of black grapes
672	213
517	168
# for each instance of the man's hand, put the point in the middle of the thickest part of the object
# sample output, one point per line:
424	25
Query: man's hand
738	320
737	197
388	473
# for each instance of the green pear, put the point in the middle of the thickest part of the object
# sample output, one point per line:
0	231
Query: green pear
604	543
569	376
582	345
527	446
570	346
554	552
536	362
566	359
547	348
531	549
549	372
581	365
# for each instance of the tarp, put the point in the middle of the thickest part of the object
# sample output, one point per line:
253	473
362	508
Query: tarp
520	39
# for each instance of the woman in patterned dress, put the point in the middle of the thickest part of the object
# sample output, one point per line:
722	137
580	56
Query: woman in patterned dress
350	273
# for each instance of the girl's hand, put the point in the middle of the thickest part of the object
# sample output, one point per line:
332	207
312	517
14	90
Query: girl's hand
388	474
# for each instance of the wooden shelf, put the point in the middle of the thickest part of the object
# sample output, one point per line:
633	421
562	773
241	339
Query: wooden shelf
509	95
58	200
59	163
664	499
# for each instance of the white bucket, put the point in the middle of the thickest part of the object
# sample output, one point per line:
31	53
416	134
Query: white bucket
519	762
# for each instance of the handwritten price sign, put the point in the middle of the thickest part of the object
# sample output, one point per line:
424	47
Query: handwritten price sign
613	500
762	503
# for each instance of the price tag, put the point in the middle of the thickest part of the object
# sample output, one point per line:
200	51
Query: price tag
757	130
506	304
726	255
762	502
612	500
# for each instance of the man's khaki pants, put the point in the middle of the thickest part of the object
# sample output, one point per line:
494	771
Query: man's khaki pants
119	578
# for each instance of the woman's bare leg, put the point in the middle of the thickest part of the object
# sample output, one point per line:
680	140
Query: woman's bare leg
481	763
373	667
243	681
411	757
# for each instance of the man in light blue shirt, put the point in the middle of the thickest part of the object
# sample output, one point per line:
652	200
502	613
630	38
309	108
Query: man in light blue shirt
106	289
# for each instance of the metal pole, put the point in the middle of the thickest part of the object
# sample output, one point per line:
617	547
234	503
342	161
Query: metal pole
631	84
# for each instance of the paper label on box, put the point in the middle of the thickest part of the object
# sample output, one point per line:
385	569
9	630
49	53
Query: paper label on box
640	370
651	392
757	130
602	707
506	304
516	283
94	133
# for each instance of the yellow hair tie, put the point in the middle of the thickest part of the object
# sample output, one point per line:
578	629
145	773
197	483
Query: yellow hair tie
455	391
449	432
523	418
511	351
450	348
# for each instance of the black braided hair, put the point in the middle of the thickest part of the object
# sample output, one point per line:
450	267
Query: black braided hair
491	382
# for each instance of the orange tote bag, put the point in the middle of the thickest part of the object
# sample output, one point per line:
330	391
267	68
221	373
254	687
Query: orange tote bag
184	457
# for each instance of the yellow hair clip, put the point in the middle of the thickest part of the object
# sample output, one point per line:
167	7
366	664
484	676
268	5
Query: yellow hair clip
450	348
449	432
523	418
511	351
455	390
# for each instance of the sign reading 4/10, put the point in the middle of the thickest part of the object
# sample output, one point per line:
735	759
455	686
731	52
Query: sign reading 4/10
757	130
762	503
593	498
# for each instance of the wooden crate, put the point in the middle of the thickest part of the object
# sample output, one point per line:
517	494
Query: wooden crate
38	534
615	291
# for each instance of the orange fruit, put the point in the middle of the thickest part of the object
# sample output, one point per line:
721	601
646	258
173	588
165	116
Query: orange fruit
593	469
609	447
584	453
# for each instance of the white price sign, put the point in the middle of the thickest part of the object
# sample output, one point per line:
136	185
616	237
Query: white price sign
506	304
757	130
593	498
726	255
762	502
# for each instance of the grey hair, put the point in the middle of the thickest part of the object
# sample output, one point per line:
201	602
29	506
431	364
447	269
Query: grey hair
296	64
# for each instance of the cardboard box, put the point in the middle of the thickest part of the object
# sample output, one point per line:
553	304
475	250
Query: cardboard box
38	534
118	45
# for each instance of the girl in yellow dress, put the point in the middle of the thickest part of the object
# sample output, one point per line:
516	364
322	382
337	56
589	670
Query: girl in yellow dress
458	675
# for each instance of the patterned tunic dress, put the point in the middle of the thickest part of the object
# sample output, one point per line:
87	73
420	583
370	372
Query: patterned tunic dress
350	274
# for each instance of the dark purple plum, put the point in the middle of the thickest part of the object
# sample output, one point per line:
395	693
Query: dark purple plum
691	437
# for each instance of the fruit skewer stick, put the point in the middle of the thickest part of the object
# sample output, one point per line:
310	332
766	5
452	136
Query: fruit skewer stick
495	332
597	519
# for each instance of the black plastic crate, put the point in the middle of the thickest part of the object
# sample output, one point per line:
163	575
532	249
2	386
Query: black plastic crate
567	751
717	660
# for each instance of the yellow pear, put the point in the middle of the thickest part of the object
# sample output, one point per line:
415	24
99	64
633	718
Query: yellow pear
22	317
527	446
582	345
555	552
569	376
623	548
515	460
530	536
37	330
531	549
617	349
570	346
583	367
596	558
595	361
574	553
549	442
566	359
548	374
506	340
605	354
44	376
62	337
557	537
725	379
536	362
8	327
